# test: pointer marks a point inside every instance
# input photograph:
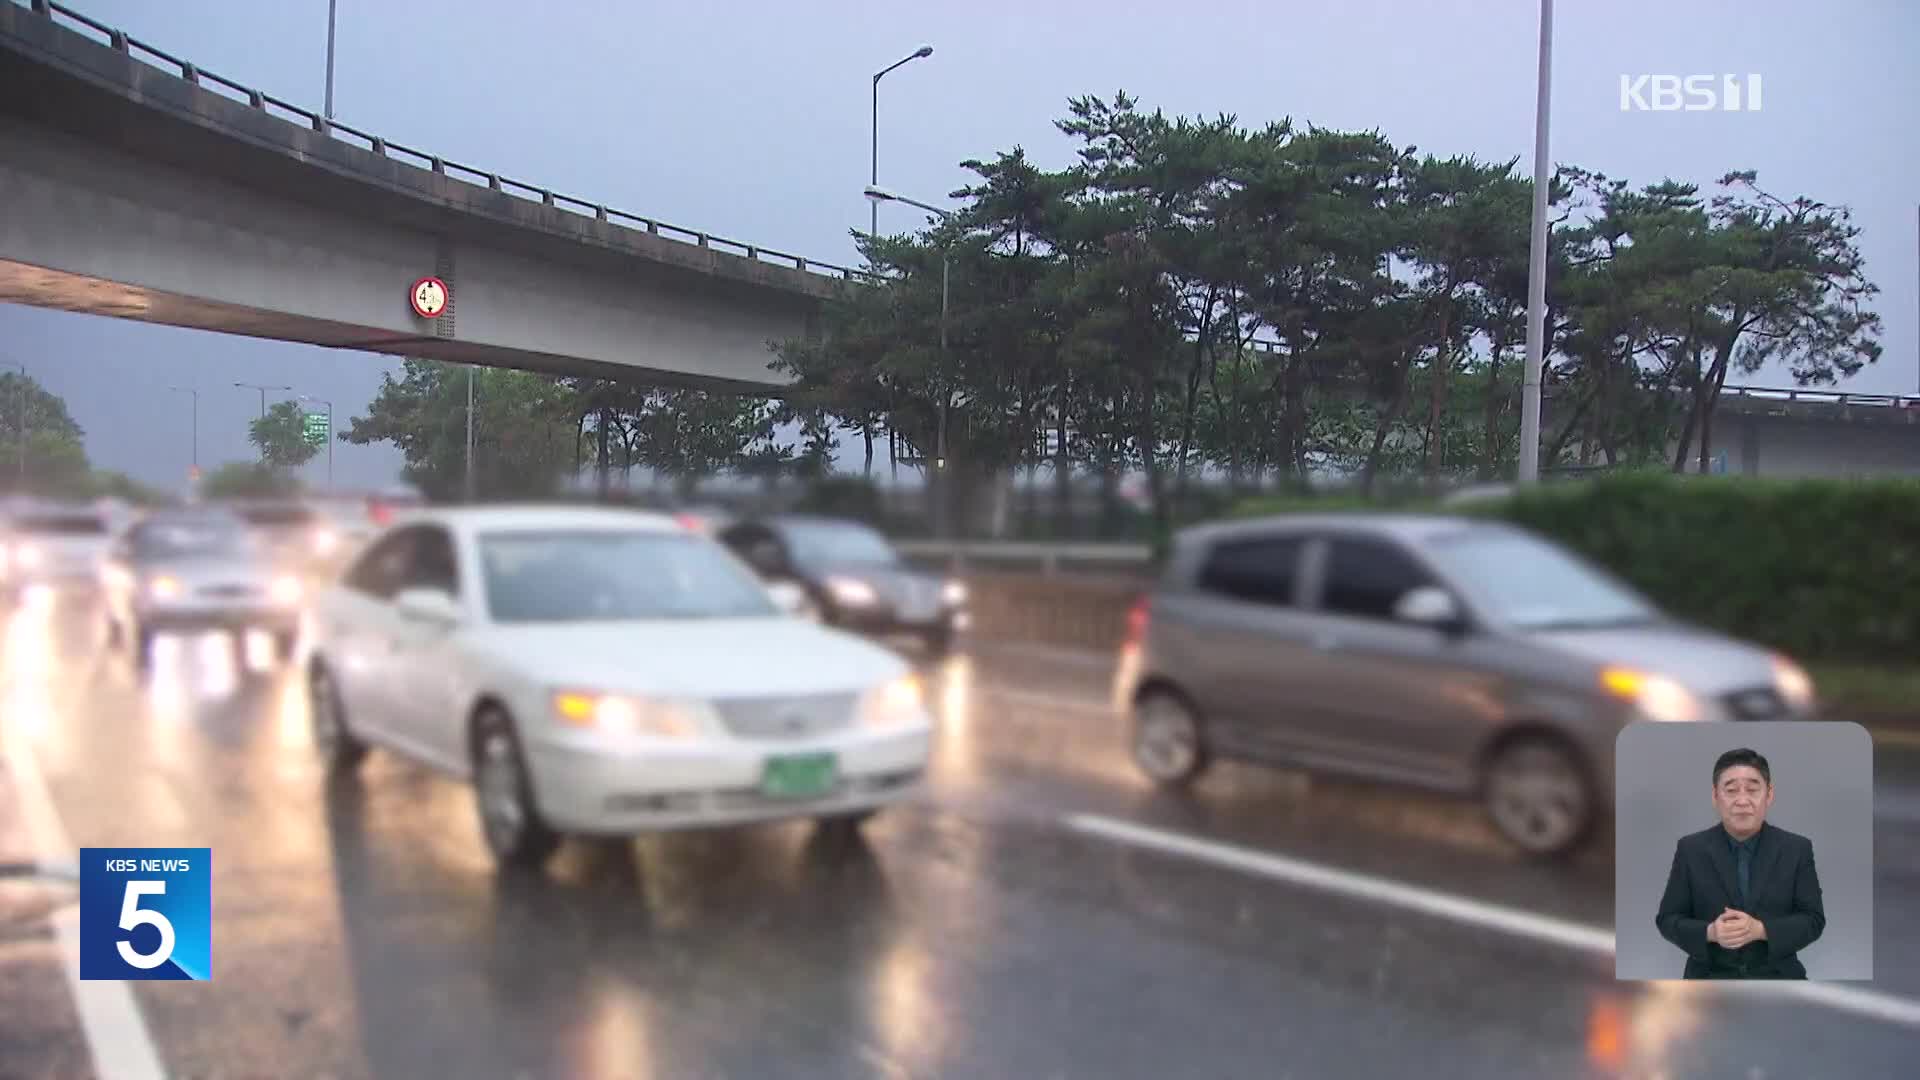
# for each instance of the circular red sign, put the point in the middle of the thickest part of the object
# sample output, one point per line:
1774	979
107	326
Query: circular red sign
429	297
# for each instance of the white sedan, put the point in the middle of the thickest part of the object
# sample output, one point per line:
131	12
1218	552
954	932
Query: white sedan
604	671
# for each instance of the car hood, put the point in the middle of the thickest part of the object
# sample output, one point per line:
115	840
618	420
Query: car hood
692	658
1702	661
895	584
219	570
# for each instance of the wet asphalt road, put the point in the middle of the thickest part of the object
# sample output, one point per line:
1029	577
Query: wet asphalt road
359	929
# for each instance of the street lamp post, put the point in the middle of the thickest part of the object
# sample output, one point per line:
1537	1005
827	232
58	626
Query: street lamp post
922	52
469	475
329	405
330	6
1537	263
879	195
263	403
20	394
196	421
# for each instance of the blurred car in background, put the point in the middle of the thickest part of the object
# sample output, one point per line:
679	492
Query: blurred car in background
389	503
295	533
55	545
604	671
201	569
1467	656
853	576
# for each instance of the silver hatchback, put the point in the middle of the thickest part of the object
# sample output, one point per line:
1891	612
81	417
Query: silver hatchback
1447	653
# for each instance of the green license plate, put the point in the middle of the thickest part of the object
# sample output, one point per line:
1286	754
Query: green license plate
799	776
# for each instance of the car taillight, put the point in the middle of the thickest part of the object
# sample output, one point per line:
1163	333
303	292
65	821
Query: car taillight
380	513
1137	622
688	522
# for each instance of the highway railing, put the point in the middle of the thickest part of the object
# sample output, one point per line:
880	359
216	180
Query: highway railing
120	41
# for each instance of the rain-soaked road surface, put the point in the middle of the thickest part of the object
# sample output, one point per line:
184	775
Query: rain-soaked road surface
1013	922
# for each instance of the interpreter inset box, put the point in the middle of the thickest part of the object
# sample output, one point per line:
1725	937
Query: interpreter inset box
1743	851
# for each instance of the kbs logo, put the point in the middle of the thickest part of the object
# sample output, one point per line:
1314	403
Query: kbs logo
146	913
1689	93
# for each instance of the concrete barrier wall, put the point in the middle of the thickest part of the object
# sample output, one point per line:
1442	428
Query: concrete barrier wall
1064	612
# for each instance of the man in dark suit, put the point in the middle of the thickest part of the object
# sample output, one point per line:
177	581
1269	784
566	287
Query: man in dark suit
1742	898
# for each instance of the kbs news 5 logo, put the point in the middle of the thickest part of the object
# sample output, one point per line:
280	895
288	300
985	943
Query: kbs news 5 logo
146	913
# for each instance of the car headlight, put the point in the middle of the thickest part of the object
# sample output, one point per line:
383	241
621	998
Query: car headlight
1659	697
26	556
164	587
285	589
623	714
901	701
954	593
852	592
1793	683
325	541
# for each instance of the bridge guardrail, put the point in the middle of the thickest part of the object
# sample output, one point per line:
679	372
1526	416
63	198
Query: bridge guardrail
122	42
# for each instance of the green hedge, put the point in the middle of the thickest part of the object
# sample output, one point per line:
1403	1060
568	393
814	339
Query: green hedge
1823	569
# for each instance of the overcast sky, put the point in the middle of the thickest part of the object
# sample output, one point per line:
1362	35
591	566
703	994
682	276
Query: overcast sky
751	121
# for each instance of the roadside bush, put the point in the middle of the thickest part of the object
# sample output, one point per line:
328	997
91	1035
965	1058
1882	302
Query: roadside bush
1823	569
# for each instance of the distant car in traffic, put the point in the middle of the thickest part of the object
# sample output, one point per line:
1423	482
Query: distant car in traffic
51	544
853	576
190	570
296	533
604	671
1467	656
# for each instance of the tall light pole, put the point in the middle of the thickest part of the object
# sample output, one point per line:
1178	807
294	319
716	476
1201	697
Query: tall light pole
196	423
1537	263
329	405
920	53
469	477
329	107
263	403
20	394
879	195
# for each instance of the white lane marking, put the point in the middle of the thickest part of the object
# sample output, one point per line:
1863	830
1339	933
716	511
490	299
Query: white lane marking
110	1019
1597	940
1046	701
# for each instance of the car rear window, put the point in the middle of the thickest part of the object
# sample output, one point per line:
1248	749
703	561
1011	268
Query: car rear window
277	515
1262	570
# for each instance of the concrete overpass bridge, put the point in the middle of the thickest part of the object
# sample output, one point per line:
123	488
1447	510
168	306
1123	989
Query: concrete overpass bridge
134	184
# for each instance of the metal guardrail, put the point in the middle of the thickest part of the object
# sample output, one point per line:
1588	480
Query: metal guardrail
120	41
1048	556
1798	395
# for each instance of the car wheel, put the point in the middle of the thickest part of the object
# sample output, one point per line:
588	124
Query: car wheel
284	644
141	639
328	715
1539	793
844	823
1168	745
509	817
940	643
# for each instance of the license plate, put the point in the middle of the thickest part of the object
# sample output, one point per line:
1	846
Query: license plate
799	776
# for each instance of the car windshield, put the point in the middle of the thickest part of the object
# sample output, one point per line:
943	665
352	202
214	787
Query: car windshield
61	525
833	544
605	575
195	538
1533	585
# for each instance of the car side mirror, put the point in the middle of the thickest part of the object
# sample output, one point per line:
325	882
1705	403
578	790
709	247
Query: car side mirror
1430	605
790	597
428	606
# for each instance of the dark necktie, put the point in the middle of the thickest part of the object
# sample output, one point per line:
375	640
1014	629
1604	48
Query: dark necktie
1744	863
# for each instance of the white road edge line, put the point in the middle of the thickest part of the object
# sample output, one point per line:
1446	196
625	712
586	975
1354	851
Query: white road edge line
1596	940
110	1018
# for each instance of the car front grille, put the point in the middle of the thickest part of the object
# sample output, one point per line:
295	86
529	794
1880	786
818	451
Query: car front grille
227	592
786	717
1756	703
